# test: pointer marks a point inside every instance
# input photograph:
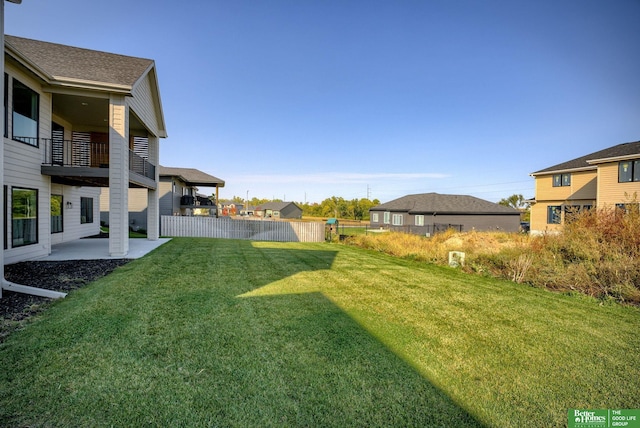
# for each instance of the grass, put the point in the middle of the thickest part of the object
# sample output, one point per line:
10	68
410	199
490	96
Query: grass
206	332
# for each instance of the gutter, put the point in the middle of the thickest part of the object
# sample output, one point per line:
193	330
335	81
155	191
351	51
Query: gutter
34	291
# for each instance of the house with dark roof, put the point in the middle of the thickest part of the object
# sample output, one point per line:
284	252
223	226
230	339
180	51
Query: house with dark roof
178	194
608	177
279	210
428	213
76	121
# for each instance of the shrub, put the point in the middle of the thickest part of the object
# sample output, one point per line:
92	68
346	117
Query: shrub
597	253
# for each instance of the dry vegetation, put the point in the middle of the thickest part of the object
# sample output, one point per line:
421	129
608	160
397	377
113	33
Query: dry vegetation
597	254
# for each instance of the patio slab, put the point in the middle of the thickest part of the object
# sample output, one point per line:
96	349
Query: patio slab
98	248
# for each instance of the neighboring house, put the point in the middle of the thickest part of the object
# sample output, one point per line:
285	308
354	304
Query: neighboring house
177	193
279	210
428	213
609	177
76	121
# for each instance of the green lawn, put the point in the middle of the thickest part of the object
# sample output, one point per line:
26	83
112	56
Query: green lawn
206	332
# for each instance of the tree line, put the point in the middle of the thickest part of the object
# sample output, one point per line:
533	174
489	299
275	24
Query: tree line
358	209
335	206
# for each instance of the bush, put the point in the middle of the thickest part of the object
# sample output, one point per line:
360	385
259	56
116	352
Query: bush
597	254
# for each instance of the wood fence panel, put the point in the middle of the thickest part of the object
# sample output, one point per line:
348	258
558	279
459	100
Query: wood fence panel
255	230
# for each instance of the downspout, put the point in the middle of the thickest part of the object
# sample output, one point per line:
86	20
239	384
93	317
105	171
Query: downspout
4	284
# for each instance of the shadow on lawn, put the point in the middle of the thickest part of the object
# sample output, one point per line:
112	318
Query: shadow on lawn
188	347
356	378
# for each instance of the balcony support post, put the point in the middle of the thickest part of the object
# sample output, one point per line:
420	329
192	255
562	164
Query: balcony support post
153	202
118	176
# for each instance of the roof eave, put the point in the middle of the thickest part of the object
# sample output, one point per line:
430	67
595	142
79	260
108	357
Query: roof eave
559	171
91	85
613	159
151	70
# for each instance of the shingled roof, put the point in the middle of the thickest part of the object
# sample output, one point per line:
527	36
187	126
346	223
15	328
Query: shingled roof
192	176
435	203
274	206
587	162
67	64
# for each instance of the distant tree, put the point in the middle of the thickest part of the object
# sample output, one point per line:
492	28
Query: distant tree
519	203
335	206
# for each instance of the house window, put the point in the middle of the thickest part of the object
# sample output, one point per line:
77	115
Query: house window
25	114
56	213
554	213
86	210
397	219
629	208
419	220
387	218
629	171
24	216
561	180
374	217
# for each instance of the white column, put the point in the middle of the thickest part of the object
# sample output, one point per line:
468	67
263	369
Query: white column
118	176
153	202
2	220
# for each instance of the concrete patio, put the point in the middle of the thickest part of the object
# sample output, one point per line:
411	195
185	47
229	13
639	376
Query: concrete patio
98	248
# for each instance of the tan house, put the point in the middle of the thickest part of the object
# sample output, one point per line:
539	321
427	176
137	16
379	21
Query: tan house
71	127
606	178
178	194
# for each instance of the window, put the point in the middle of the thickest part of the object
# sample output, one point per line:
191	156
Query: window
629	208
387	216
374	217
629	171
25	114
86	210
554	213
397	219
561	180
419	220
56	213
24	216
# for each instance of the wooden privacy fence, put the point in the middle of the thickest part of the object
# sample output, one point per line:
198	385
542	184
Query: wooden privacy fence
255	230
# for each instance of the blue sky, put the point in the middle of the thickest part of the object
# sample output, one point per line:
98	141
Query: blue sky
303	100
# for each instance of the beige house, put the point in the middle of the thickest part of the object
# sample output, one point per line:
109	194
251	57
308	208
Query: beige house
609	177
178	195
72	127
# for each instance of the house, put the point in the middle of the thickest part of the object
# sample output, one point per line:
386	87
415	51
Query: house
76	121
428	213
178	195
279	210
606	178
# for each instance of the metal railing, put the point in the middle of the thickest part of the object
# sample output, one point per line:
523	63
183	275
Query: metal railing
140	165
73	153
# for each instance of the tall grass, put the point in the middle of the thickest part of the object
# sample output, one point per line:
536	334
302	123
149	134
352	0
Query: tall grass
597	254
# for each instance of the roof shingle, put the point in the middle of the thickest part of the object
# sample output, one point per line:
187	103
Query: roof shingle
192	176
624	149
430	203
61	62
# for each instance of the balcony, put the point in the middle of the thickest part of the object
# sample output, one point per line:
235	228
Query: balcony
86	163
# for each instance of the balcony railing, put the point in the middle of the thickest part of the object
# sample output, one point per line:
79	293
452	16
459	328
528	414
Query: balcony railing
68	153
141	166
